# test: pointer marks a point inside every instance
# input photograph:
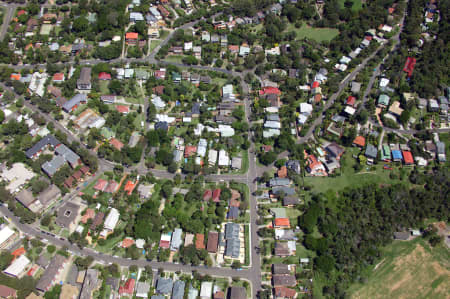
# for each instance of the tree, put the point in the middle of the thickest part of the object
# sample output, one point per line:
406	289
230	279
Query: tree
80	24
5	259
267	158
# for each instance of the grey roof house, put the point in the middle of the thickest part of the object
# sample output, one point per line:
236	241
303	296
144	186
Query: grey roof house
178	289
84	82
48	140
48	278
67	214
164	285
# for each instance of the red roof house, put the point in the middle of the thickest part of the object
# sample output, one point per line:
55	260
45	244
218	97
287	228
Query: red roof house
104	76
281	223
21	12
216	195
112	187
284	292
315	84
58	77
90	213
351	101
408	157
207	195
129	187
128	287
159	90
282	173
131	37
409	66
18	252
189	150
101	185
116	143
270	90
359	141
127	242
7	292
200	241
123	109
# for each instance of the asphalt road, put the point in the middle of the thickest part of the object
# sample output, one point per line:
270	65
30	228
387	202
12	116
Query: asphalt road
10	8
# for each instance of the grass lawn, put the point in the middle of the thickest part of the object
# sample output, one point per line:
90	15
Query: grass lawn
247	245
174	58
137	121
409	269
317	34
133	100
357	4
104	87
349	178
154	43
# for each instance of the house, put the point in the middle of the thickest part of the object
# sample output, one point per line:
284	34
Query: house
104	76
84	82
68	155
58	77
281	223
164	242
283	190
67	215
51	274
275	182
233	243
206	290
281	269
213	241
131	38
395	109
282	249
315	167
244	51
164	286
385	153
136	17
116	143
371	152
236	163
407	158
237	293
293	165
128	287
282	172
290	201
359	141
284	292
178	289
284	280
74	102
224	159
199	241
110	222
356	87
176	239
7	292
90	284
7	236
335	150
409	66
403	236
383	100
142	289
123	109
18	266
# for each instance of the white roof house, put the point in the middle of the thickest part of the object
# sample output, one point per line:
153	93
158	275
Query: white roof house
349	110
136	16
244	50
206	289
18	266
227	89
271	133
272	124
5	234
226	131
212	157
199	129
306	108
201	148
37	83
188	46
384	82
302	118
158	102
224	159
345	60
112	219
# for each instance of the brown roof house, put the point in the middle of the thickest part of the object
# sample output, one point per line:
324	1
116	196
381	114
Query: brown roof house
213	241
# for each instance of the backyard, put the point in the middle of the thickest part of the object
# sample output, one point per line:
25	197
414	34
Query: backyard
349	178
357	4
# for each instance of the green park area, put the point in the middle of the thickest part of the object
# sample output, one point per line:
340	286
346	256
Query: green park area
317	34
409	269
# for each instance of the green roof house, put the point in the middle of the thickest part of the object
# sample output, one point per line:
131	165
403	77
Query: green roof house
385	153
107	133
383	100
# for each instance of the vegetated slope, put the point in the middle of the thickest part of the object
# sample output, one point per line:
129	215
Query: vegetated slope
410	269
